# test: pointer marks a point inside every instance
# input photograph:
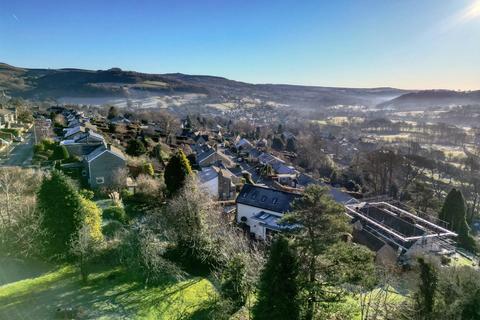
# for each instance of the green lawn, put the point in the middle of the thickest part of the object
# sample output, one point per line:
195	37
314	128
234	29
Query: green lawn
109	294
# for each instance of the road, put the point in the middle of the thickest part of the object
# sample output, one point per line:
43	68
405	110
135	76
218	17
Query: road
21	154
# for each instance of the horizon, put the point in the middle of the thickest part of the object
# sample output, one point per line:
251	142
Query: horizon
344	45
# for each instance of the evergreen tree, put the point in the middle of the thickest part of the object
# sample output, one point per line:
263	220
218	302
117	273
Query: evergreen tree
64	212
278	291
278	144
454	213
112	112
61	206
60	153
135	148
92	218
425	296
234	285
177	169
323	225
291	145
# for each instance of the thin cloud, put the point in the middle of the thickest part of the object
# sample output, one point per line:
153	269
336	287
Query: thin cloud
15	17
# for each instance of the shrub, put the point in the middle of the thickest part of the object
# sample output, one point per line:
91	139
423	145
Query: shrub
38	148
112	228
115	213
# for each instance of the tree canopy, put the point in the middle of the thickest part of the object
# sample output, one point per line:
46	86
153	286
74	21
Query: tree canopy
176	171
64	211
278	289
454	213
135	147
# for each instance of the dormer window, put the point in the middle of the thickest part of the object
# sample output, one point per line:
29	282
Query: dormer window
254	196
274	200
263	199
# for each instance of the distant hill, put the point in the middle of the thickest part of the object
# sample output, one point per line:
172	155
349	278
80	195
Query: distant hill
57	83
432	98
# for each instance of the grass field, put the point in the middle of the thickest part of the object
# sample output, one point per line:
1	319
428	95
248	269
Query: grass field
109	294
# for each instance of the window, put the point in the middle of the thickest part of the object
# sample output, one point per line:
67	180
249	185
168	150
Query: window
100	180
254	196
263	199
84	173
274	201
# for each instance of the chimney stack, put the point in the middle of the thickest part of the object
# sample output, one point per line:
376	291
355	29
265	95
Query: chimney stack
109	146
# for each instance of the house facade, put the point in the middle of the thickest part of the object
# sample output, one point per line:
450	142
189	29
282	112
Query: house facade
219	182
101	166
259	209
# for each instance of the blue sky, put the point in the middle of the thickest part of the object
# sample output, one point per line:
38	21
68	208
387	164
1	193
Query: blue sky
356	43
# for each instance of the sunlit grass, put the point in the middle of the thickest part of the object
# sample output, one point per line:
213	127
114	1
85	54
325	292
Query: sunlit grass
109	294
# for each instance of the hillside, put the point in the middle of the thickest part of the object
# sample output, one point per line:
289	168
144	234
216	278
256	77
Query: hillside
111	294
58	83
432	98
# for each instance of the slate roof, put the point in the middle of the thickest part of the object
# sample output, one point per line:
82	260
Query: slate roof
205	155
266	198
73	130
243	143
268	158
281	168
254	153
90	134
101	149
207	174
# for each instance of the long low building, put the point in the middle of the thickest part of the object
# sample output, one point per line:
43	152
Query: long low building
396	234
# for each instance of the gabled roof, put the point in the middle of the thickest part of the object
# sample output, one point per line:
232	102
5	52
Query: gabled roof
270	159
254	153
202	156
243	143
71	131
281	168
207	174
101	150
266	198
90	135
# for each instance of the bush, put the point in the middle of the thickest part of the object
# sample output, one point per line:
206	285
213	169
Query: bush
38	148
112	228
115	213
126	194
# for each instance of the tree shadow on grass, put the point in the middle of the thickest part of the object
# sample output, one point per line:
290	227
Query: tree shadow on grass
111	293
16	269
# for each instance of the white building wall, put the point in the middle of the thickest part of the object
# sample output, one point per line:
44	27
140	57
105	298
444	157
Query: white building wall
248	212
211	187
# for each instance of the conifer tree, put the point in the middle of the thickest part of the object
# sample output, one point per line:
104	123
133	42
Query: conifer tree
64	212
425	295
454	213
323	225
61	207
176	171
234	284
278	290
